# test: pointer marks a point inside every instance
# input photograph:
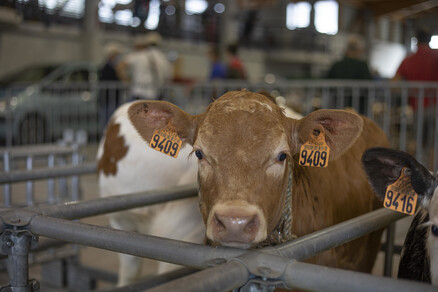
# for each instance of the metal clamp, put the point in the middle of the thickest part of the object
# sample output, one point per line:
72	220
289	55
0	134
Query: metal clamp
265	277
16	242
15	225
34	286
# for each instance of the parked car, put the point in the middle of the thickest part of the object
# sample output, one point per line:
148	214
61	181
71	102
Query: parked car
39	103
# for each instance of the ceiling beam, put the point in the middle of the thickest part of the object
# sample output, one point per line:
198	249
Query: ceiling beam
414	10
386	7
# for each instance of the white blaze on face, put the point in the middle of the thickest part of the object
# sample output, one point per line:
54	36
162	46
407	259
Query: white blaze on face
243	105
432	240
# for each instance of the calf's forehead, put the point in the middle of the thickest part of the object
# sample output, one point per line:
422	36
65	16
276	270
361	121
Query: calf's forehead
242	122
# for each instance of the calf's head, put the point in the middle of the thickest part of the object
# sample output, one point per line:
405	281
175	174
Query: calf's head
383	167
244	143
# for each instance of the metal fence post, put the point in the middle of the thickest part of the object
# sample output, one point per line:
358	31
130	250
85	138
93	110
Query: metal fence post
7	186
16	242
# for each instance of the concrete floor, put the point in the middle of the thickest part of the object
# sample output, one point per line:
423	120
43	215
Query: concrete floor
108	261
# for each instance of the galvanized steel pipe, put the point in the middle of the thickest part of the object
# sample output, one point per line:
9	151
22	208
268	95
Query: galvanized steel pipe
309	245
36	174
319	278
78	210
161	249
225	277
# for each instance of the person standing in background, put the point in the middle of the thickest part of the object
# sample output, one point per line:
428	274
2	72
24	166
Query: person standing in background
218	70
146	69
351	66
235	69
421	66
110	95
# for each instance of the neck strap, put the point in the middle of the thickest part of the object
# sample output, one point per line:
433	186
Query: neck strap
283	231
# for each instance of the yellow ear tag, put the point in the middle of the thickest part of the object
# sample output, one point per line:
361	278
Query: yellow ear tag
166	141
400	196
315	152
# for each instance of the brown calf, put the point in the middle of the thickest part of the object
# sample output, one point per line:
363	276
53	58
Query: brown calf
248	153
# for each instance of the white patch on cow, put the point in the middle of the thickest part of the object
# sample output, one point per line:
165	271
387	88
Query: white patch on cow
432	240
142	169
290	113
139	161
243	105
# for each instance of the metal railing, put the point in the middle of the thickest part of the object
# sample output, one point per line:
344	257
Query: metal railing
225	268
50	161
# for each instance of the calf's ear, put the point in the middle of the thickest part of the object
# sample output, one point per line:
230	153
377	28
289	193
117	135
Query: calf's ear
383	167
148	116
341	129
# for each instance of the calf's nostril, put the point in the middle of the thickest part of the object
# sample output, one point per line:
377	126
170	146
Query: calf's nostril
252	225
218	223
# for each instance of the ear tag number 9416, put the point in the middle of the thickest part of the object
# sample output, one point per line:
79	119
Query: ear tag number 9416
315	152
400	196
166	141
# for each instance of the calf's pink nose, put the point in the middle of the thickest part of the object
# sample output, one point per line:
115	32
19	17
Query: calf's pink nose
240	229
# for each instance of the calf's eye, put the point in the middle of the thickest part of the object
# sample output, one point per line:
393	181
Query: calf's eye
199	154
281	157
434	230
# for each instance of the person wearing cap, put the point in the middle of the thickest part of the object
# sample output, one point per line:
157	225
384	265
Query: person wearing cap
110	97
146	68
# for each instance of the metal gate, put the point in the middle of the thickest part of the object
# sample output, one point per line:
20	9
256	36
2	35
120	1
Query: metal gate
224	269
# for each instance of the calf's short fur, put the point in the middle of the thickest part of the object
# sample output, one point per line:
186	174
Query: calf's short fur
247	149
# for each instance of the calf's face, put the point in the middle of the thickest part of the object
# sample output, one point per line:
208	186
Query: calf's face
244	143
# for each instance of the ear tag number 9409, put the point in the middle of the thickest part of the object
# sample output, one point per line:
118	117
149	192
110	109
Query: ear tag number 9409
315	152
166	141
400	196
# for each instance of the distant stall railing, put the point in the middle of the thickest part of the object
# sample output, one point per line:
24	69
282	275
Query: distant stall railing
405	110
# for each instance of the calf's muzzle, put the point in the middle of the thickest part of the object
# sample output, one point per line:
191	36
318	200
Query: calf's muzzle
236	225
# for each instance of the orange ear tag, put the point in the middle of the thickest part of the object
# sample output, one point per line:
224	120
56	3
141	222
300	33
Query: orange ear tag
400	196
315	152
166	141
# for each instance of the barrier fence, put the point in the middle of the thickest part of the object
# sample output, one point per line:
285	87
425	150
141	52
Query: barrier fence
405	110
411	127
226	268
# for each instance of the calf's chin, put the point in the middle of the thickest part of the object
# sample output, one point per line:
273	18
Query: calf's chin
236	224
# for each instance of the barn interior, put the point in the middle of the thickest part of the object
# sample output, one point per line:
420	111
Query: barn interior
51	114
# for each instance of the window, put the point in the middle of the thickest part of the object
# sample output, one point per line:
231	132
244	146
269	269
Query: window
326	16
434	42
298	15
196	6
69	8
154	15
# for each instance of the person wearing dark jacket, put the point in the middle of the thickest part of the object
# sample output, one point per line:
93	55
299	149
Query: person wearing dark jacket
110	95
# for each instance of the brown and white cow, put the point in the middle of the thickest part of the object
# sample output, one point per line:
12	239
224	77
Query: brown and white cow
248	153
127	165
